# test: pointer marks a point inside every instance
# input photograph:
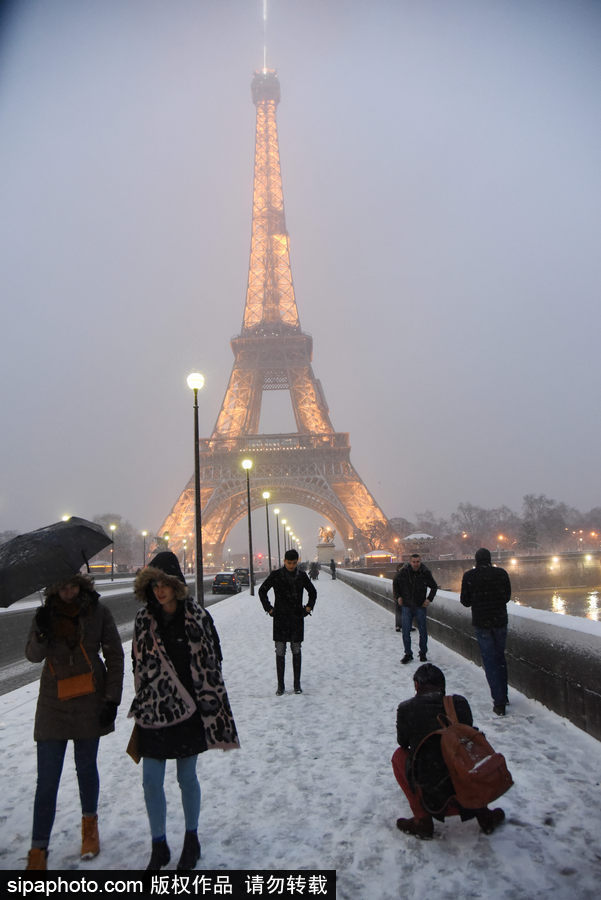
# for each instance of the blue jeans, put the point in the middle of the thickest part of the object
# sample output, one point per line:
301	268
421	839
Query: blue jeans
492	648
51	755
153	778
407	614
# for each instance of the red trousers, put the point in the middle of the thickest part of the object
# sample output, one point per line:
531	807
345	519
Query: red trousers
399	767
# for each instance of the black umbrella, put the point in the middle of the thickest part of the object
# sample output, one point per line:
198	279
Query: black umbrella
34	560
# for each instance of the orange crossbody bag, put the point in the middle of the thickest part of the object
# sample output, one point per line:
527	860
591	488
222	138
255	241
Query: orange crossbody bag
76	685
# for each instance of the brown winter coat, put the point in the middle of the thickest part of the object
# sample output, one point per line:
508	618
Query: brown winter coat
77	718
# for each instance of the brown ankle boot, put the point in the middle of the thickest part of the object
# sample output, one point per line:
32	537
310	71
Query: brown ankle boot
422	828
90	842
36	858
490	819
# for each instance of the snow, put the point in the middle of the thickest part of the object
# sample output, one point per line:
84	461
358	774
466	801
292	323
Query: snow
312	785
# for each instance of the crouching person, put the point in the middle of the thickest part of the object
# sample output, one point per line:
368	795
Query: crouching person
423	776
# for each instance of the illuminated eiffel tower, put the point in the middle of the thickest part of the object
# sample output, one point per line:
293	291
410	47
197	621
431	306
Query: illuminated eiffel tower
310	467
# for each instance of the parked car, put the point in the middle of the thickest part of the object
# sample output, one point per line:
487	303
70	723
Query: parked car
243	575
226	583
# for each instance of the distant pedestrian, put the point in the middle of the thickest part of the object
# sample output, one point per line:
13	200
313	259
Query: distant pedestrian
487	590
333	569
425	781
78	700
288	614
181	707
398	617
314	571
415	588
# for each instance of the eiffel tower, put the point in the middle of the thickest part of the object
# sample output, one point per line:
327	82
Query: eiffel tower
310	467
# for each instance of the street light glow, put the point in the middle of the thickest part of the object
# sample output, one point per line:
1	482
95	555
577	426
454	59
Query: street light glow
247	464
266	495
195	381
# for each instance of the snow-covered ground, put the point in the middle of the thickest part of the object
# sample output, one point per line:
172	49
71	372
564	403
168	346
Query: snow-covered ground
312	785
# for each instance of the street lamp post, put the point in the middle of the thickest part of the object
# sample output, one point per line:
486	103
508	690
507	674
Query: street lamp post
112	530
266	496
276	513
289	532
195	382
144	536
247	466
185	541
284	521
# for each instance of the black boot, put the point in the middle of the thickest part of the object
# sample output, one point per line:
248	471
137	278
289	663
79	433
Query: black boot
280	665
160	856
190	852
296	668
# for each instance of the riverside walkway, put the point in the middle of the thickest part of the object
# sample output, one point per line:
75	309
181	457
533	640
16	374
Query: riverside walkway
312	786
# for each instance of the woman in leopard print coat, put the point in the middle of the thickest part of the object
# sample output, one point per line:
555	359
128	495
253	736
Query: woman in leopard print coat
181	706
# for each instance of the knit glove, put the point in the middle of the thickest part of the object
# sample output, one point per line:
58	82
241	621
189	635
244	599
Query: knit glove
107	714
42	621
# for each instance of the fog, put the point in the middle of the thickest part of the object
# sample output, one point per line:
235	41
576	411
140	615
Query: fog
443	198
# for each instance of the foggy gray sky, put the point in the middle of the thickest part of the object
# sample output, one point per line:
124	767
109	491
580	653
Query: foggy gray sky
441	174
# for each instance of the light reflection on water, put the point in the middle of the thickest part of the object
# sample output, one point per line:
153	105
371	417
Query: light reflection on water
569	602
594	601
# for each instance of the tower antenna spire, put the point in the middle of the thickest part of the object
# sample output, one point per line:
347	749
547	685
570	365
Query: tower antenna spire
264	35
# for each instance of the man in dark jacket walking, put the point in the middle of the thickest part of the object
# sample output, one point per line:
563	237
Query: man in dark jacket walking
288	613
487	590
423	776
410	590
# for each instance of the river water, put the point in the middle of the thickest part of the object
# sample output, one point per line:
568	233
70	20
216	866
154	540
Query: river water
565	601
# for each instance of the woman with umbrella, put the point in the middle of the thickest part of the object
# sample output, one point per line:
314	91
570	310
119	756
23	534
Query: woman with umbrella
78	700
181	706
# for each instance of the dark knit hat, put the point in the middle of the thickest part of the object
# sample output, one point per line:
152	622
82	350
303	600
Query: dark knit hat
168	563
483	557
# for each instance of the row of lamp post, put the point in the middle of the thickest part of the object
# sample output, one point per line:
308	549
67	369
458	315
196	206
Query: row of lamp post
288	533
195	383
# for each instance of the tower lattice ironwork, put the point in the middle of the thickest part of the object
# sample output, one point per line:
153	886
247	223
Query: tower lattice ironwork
310	467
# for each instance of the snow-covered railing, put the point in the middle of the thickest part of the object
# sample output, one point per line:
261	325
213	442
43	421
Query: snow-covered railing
552	658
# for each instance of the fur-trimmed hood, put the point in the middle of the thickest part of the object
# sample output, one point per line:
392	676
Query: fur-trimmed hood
143	585
85	582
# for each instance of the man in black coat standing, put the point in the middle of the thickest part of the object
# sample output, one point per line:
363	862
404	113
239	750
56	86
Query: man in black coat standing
410	590
487	590
288	613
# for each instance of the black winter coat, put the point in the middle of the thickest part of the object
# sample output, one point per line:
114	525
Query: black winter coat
288	610
415	719
412	586
487	590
